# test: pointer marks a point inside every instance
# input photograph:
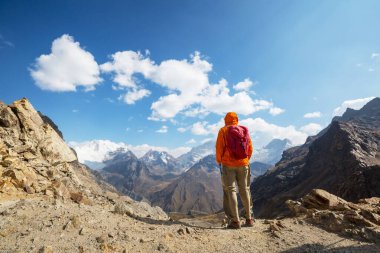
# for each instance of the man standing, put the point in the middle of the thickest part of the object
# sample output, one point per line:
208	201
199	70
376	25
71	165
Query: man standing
233	152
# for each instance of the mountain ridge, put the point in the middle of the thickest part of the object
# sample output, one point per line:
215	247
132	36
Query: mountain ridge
342	159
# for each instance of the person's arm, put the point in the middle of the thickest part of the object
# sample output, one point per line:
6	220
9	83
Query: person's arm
219	147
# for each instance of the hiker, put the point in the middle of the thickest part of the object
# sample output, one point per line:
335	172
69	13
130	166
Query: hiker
233	152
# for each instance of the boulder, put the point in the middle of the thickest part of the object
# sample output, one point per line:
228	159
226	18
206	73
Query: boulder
338	215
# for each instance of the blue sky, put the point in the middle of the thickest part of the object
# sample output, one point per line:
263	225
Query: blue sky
185	63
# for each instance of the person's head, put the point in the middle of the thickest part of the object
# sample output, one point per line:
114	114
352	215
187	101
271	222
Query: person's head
231	118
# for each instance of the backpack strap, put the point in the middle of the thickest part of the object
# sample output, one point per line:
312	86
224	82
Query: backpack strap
225	142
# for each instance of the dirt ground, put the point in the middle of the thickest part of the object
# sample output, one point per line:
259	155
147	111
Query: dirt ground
47	225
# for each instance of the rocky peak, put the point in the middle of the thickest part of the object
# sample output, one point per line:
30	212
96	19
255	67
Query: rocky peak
34	158
196	153
120	155
369	110
342	159
157	156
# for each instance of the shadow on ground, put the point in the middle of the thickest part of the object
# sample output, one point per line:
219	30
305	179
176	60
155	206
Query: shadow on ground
316	248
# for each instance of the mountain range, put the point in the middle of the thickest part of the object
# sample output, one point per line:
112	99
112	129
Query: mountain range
343	159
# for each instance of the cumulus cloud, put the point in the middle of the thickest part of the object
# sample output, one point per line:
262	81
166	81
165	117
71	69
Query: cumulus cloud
66	67
244	85
276	111
190	92
162	130
353	104
134	95
311	129
312	115
199	128
124	65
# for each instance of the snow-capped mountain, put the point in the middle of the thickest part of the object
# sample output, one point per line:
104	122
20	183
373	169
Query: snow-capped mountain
195	154
94	153
161	162
272	152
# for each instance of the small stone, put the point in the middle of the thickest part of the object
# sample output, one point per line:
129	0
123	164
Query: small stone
82	231
160	247
104	247
81	249
101	239
5	213
75	221
168	236
188	230
110	235
46	249
181	231
68	225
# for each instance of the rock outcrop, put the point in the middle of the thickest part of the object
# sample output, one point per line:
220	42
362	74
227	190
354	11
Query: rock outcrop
360	220
33	157
35	161
343	159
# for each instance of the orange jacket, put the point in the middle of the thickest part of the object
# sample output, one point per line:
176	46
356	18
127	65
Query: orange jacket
223	156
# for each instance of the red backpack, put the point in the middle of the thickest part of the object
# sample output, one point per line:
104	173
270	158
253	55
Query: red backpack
238	141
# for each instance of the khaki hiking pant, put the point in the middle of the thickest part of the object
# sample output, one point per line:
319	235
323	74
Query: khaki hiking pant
231	176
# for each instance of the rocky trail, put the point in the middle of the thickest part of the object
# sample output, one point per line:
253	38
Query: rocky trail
42	224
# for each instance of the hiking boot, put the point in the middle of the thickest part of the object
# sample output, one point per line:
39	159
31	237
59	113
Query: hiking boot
249	222
234	225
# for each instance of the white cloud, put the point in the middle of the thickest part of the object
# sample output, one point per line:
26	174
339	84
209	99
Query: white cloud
5	43
75	110
190	92
66	67
181	129
199	128
97	150
371	70
262	132
216	99
191	141
162	130
311	129
375	55
207	140
276	111
244	85
124	65
353	104
312	115
132	96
